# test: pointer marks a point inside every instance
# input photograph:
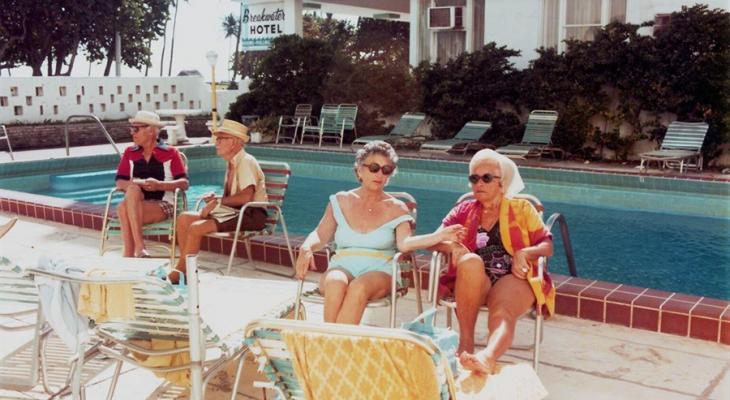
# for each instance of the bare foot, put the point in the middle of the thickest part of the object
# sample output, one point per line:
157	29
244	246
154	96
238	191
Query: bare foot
478	363
5	228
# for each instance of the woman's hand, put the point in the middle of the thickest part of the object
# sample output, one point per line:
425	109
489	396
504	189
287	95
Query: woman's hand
453	233
305	261
458	250
209	206
520	266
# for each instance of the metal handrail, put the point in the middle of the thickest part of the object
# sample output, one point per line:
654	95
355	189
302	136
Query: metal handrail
95	118
560	218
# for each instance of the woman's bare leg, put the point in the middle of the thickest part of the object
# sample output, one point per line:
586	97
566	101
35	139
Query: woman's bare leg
333	285
507	301
472	286
369	286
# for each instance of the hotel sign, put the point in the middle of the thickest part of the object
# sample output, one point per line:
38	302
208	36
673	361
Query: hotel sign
262	23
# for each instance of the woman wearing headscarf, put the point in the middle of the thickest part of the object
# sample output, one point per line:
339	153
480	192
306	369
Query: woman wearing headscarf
504	238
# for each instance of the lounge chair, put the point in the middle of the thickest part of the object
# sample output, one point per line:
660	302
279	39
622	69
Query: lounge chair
277	180
302	114
405	129
469	134
301	360
681	147
4	136
439	264
401	263
537	137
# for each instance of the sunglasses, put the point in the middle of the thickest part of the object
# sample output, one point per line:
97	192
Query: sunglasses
486	178
136	128
375	167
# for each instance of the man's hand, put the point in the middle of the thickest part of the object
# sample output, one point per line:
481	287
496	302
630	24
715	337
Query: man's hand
209	206
151	185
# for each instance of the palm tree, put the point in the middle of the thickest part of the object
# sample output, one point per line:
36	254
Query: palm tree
172	42
232	27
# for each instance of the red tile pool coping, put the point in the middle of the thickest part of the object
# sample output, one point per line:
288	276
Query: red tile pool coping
613	303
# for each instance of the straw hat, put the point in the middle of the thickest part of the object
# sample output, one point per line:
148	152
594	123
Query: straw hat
147	118
233	128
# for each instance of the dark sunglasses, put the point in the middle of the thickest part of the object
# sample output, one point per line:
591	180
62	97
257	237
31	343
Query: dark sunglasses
375	167
136	128
486	178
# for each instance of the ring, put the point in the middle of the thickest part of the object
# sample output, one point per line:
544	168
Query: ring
524	269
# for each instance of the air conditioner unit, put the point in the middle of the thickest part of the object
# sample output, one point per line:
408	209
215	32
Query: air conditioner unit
445	18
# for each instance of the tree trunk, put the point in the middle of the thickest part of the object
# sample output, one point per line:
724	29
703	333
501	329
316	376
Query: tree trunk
149	59
172	42
49	63
109	60
164	45
238	42
37	70
71	62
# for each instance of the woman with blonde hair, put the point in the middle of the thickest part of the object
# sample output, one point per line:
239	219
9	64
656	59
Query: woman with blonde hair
368	226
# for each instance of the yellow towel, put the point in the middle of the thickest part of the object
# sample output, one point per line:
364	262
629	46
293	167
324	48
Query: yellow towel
180	378
335	367
104	302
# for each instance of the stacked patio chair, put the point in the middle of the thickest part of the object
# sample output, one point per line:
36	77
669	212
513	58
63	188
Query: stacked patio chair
681	147
467	138
401	263
537	138
301	117
334	120
4	136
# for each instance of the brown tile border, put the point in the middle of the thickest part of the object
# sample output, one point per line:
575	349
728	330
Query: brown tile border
649	309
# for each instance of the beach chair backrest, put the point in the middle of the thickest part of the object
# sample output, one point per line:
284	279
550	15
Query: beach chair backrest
303	111
473	130
277	176
540	126
328	118
408	124
346	116
685	136
266	339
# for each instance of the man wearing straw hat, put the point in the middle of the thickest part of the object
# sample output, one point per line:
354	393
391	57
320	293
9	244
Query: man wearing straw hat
244	182
148	173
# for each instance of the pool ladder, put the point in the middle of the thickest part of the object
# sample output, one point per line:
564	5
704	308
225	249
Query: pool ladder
98	121
565	235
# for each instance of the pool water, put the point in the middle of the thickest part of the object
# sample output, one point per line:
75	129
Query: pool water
687	254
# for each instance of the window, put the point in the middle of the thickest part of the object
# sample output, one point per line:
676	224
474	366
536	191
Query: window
661	21
577	19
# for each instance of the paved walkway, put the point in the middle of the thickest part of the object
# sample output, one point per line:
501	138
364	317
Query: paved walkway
580	359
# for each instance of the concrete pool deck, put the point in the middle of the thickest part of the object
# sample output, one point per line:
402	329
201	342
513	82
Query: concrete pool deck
580	359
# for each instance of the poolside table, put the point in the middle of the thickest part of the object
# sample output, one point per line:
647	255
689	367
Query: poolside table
178	135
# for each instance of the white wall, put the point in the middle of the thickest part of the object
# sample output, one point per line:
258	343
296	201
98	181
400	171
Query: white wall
516	24
40	99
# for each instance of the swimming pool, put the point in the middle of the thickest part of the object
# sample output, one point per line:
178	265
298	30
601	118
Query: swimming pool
651	236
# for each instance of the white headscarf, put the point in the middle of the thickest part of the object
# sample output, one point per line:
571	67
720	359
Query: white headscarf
511	180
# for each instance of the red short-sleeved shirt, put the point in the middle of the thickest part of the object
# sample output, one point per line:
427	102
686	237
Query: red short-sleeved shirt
165	164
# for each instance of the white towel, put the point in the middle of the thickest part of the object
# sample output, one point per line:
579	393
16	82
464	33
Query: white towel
58	302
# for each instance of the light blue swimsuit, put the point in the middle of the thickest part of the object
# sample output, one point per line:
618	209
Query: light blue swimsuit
358	253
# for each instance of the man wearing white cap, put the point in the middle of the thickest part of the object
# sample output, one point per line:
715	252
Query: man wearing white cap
148	173
244	182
